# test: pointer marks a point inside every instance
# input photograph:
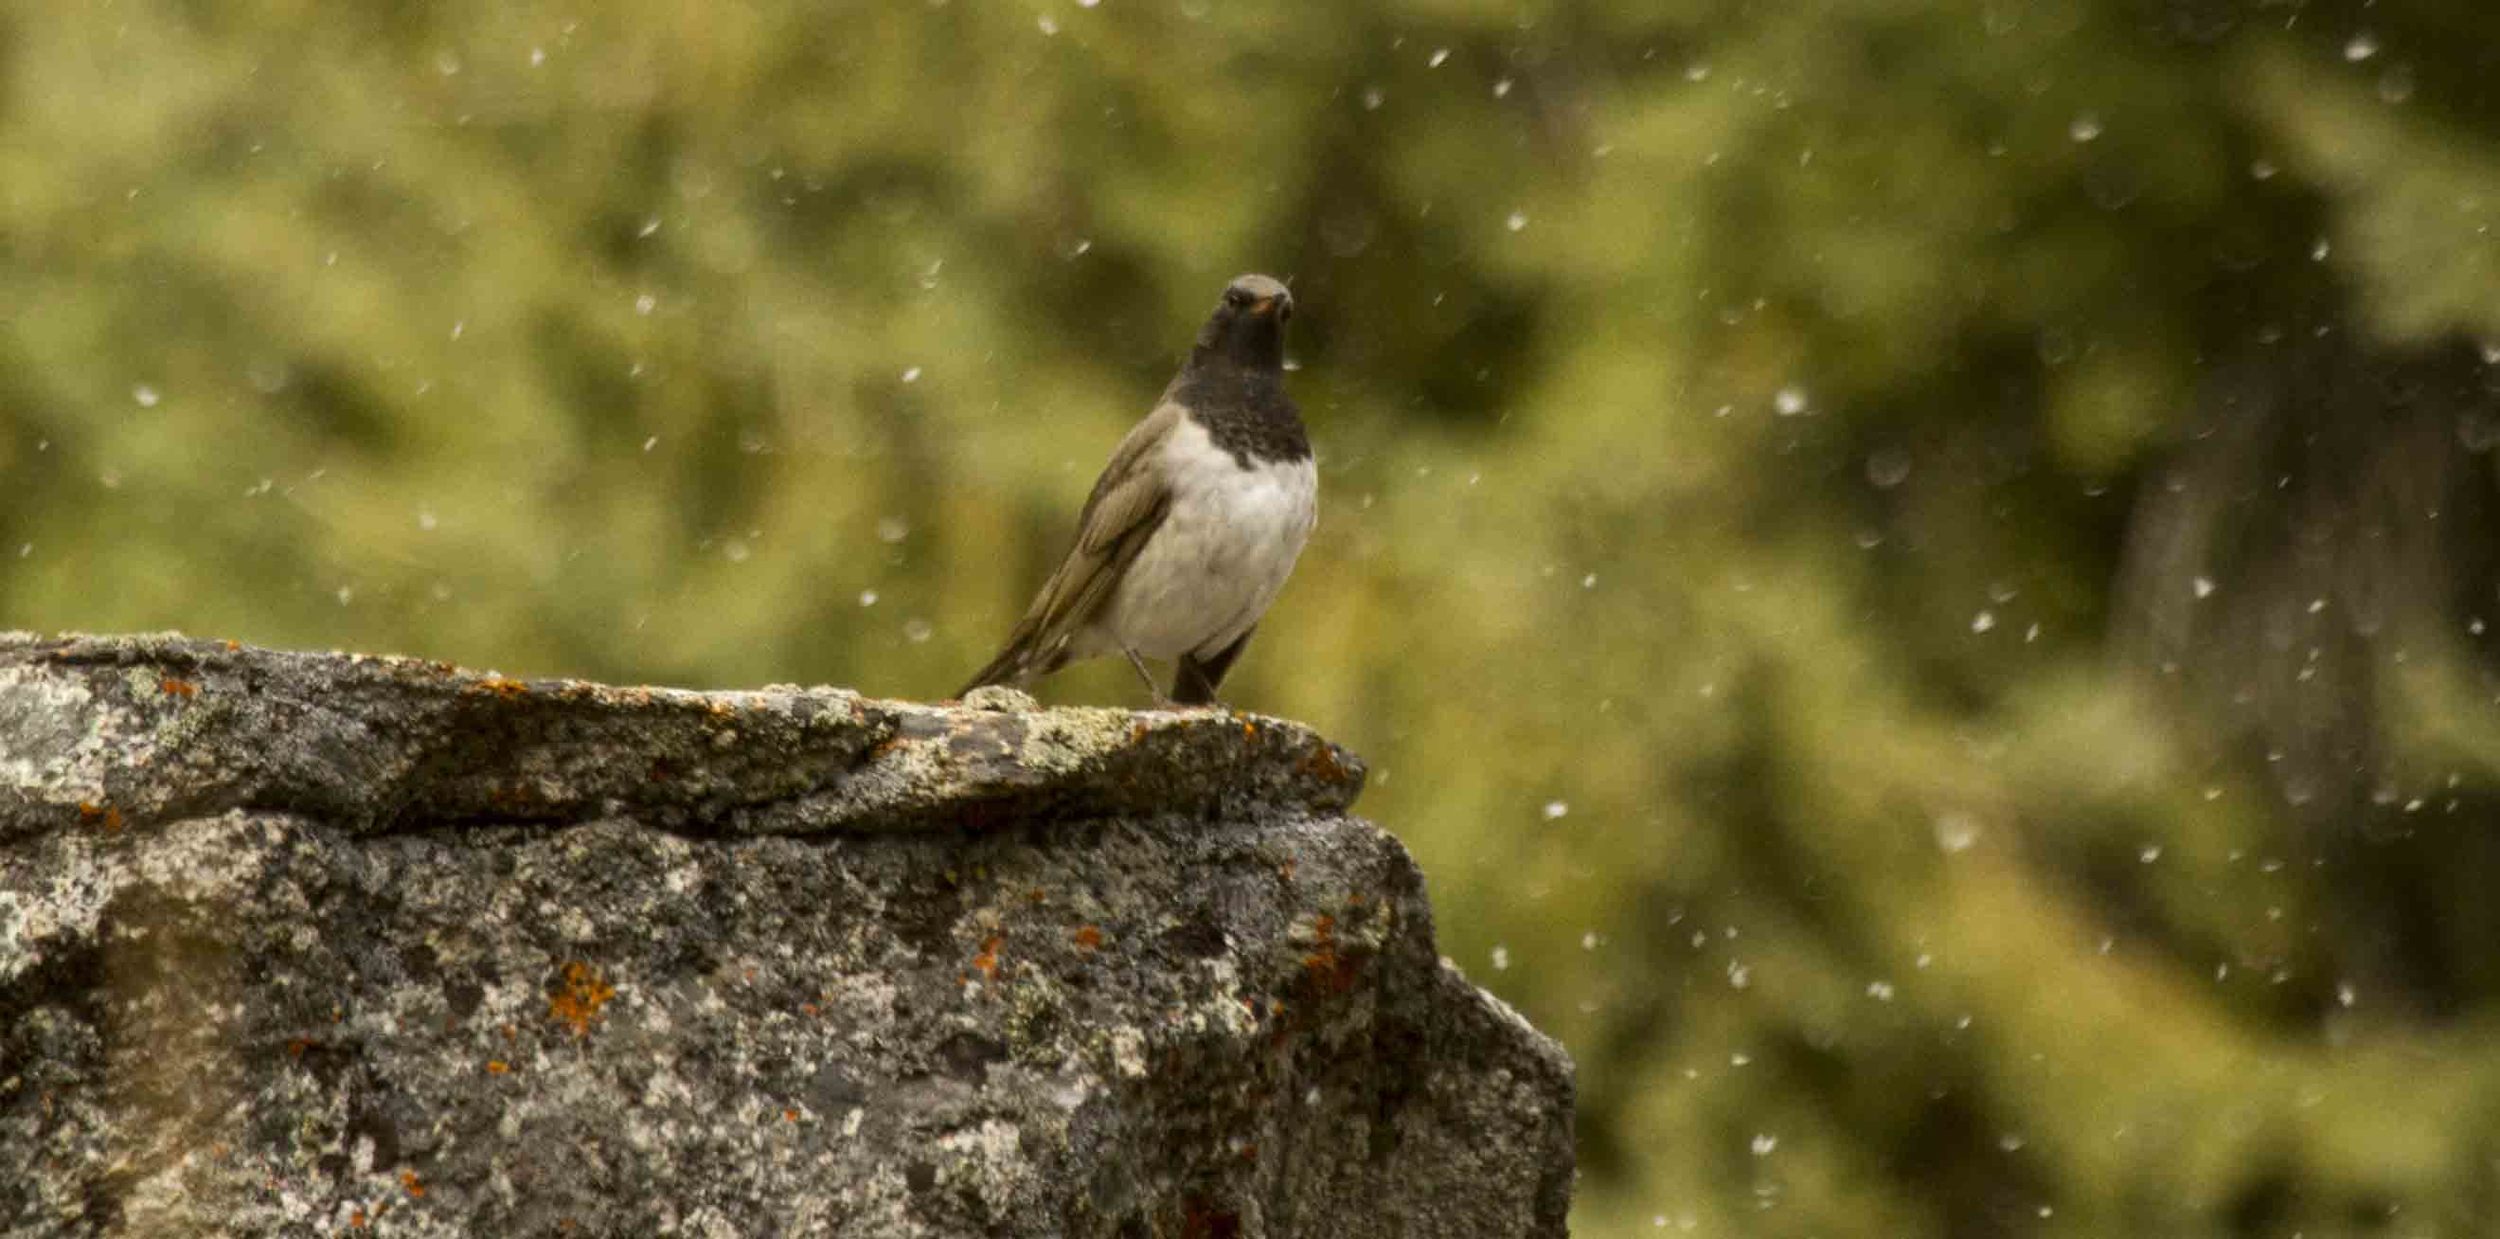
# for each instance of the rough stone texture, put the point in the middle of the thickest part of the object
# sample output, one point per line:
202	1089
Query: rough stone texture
306	944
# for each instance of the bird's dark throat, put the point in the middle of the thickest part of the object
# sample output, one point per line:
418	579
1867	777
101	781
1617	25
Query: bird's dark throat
1244	409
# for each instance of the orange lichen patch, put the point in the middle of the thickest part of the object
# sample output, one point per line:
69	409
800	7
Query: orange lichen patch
987	960
501	687
509	1032
1330	971
807	1009
886	746
1088	937
172	687
1322	764
1137	733
357	1219
103	815
577	1000
789	1116
1249	731
498	1067
416	1186
296	1046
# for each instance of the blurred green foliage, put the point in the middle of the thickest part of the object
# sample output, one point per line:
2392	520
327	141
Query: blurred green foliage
1915	574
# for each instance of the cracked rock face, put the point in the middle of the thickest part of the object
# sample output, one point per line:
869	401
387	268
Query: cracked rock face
307	944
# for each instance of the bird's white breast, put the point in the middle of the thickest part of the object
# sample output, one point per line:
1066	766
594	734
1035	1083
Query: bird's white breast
1224	549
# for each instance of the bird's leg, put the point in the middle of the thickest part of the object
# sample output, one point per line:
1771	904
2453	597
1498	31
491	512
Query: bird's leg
1192	687
1139	665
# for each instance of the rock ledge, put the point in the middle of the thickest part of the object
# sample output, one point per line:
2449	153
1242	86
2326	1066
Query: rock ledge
319	943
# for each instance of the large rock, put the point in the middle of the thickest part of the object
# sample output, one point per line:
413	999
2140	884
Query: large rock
306	944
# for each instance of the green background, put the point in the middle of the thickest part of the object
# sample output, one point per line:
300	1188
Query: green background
1915	574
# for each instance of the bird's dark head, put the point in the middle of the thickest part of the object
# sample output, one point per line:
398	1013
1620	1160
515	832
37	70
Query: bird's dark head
1248	326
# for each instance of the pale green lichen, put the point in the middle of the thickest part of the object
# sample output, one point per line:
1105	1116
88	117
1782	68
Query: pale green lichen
60	739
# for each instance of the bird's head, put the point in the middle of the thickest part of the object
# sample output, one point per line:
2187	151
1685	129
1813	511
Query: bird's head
1248	326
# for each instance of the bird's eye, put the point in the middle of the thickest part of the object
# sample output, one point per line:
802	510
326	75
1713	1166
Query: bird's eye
1236	297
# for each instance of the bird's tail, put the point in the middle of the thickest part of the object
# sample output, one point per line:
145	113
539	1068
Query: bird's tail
1014	664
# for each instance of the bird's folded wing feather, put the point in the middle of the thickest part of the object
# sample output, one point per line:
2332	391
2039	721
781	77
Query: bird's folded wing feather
1129	500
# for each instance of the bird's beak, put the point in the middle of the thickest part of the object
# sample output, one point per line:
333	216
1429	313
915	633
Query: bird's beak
1264	306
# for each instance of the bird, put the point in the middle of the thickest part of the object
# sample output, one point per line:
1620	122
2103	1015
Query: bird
1194	525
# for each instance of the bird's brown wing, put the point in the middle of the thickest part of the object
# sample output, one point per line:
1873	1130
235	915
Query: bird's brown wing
1128	502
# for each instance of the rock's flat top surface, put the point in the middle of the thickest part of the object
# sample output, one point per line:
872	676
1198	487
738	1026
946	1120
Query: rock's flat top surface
165	727
314	943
